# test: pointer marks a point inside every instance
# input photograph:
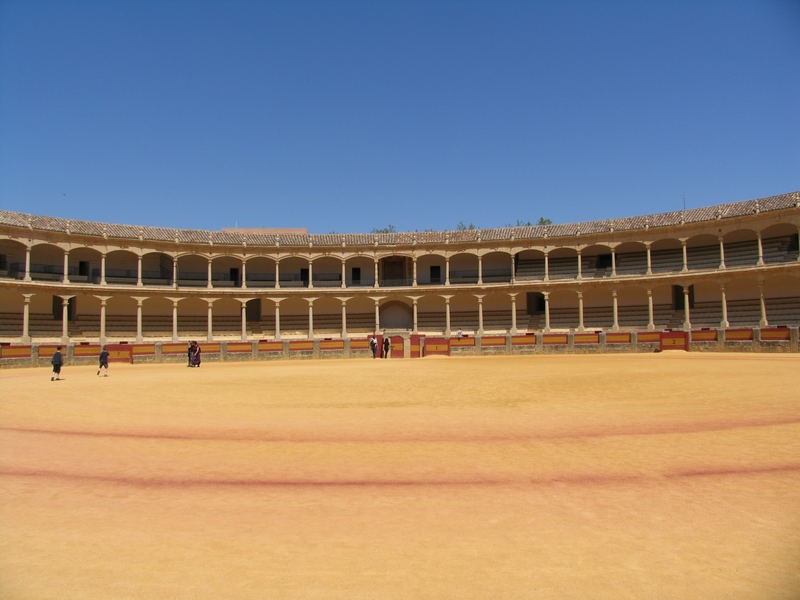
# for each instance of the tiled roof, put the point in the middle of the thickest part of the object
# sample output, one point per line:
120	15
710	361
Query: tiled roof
230	238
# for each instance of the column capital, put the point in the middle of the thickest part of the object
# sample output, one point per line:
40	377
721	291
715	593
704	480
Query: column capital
344	300
244	300
174	300
66	296
140	299
276	300
613	293
27	297
513	295
210	300
311	300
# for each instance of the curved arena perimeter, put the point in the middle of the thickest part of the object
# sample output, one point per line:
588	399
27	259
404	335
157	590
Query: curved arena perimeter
721	267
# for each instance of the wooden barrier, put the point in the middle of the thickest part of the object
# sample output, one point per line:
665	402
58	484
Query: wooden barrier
175	349
331	345
775	334
555	338
15	351
674	340
618	338
120	353
359	344
270	346
398	346
416	345
645	337
704	335
462	342
586	338
493	340
738	335
210	347
86	350
238	347
143	349
436	347
301	345
523	340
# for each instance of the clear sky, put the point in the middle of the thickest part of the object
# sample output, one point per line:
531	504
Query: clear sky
349	115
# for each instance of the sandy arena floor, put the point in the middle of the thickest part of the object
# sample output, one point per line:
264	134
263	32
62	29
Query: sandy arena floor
670	475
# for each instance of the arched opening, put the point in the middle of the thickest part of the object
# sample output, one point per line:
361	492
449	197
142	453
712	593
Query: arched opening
633	312
666	256
122	267
293	272
780	243
84	265
157	269
529	265
192	270
226	271
744	304
431	314
47	262
260	272
226	318
430	269
85	324
596	261
464	313
360	315
327	317
563	310
707	309
598	308
702	252
294	317
360	271
395	314
157	318
497	312
121	318
327	272
463	268
192	318
11	307
12	259
782	299
665	315
563	263
741	248
395	271
631	258
496	267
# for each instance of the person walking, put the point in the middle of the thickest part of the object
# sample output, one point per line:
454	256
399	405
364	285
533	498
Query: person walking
387	347
189	354
57	361
103	366
373	345
195	357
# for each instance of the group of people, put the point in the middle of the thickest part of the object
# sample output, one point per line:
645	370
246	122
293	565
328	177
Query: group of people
193	354
57	360
385	351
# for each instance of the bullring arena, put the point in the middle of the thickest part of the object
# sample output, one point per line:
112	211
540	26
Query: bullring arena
531	443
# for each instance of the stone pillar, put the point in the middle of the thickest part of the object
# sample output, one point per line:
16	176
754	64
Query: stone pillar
513	313
27	263
480	270
546	266
762	304
175	272
277	275
480	313
414	272
615	307
139	282
580	311
447	270
244	319
377	283
139	302
310	274
513	268
414	312
546	310
65	318
26	317
580	266
724	324
175	318
685	266
613	263
377	315
651	325
210	318
447	315
103	307
687	322
649	261
344	273
103	269
760	250
344	317
208	283
65	278
310	317
244	274
721	253
277	317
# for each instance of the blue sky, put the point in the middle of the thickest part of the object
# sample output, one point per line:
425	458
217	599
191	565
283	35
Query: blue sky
346	116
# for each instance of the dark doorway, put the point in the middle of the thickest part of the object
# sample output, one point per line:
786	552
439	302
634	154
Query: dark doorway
677	297
304	277
58	307
234	276
436	274
253	310
83	267
535	303
355	275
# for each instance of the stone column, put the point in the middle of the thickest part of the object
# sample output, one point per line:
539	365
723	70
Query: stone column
65	278
760	250
687	322
480	313
613	263
447	270
651	325
244	274
139	302
210	318
26	317
546	266
580	266
65	318
546	310
377	282
139	271
277	275
27	263
414	272
414	312
615	307
513	274
721	253
447	315
685	256
310	317
724	324
649	260
103	269
208	283
762	304
244	318
103	307
344	273
513	313
344	317
175	318
310	274
377	315
277	302
580	311
175	272
480	270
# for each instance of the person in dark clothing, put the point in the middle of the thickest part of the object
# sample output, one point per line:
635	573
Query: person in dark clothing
57	361
387	347
373	345
103	362
195	357
189	354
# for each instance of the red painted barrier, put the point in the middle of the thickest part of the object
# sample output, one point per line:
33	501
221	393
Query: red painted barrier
436	347
674	340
